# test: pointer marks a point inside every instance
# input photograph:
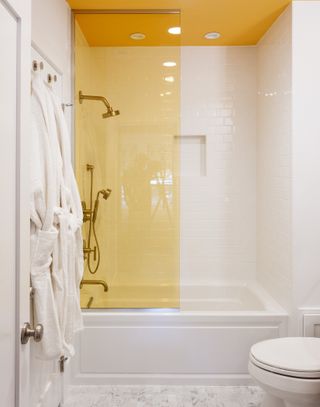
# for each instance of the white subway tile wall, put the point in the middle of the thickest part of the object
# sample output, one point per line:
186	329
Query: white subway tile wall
306	153
218	221
274	142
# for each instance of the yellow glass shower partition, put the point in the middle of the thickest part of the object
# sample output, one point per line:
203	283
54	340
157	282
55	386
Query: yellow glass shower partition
136	155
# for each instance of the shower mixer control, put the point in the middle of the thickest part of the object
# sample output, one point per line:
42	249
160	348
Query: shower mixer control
86	212
88	250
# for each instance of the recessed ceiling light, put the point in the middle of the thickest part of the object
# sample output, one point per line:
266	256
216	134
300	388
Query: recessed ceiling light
169	64
212	35
137	36
174	30
168	93
169	79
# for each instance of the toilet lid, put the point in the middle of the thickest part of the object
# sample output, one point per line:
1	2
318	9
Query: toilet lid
298	357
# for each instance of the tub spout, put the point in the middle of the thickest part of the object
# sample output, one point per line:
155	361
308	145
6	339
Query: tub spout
95	282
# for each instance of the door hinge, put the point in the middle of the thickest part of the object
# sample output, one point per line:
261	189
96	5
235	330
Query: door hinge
62	361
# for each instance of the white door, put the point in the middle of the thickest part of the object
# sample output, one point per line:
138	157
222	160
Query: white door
14	237
46	380
24	380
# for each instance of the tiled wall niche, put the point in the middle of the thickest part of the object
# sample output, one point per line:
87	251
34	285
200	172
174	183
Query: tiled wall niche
193	155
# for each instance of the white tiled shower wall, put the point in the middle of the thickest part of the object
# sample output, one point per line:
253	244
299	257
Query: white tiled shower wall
258	109
236	218
274	143
288	161
218	202
306	155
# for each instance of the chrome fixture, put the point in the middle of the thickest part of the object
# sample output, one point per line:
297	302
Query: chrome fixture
110	112
90	215
64	105
95	282
27	332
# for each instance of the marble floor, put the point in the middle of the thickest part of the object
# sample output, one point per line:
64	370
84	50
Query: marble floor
163	396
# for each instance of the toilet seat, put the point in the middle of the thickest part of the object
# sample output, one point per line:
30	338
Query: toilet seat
294	357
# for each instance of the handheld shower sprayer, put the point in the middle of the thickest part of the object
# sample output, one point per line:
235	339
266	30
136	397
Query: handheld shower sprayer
105	195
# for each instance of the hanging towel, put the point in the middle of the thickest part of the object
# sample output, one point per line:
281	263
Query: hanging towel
43	233
70	238
58	210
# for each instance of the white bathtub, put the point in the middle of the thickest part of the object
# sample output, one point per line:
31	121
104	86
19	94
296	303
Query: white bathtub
205	342
225	298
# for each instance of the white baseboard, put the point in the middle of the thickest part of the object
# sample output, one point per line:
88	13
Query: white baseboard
167	380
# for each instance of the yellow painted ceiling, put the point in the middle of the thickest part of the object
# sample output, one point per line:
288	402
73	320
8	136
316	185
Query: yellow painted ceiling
240	22
107	30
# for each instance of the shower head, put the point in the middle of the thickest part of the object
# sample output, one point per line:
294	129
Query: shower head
111	113
105	193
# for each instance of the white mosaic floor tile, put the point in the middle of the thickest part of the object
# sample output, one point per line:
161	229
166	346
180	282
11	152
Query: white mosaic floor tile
164	396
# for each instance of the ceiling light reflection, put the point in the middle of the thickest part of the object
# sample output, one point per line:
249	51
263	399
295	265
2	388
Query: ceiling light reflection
169	64
174	30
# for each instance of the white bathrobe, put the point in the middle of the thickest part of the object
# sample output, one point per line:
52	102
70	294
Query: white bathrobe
56	219
70	249
44	192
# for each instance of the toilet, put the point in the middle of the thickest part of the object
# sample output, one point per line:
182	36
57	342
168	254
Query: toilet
288	370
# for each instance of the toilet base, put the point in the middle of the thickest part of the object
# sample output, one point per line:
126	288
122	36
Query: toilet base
286	391
272	401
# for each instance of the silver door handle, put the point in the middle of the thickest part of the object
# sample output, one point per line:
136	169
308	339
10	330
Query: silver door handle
27	332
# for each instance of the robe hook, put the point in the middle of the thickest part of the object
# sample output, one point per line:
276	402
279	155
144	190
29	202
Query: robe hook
37	65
